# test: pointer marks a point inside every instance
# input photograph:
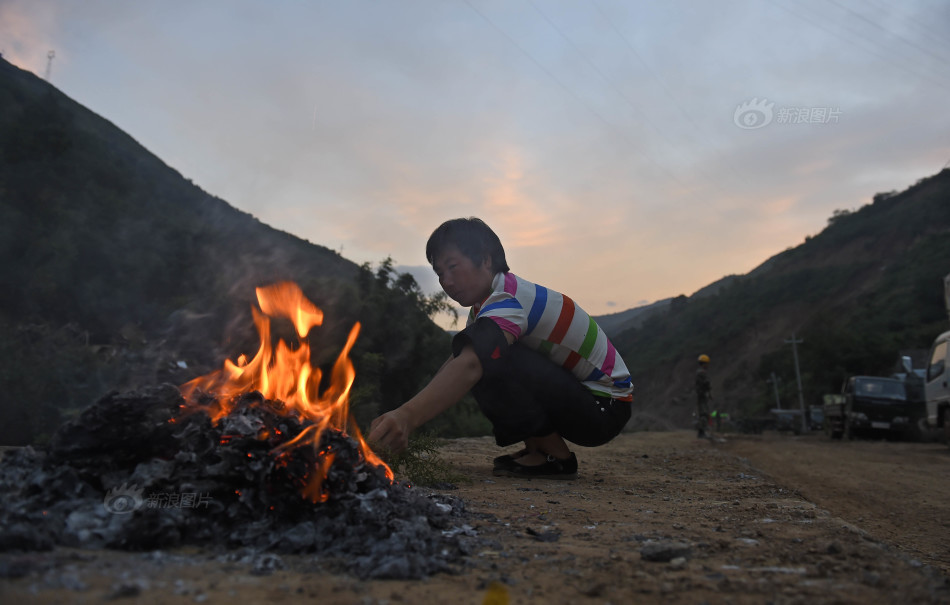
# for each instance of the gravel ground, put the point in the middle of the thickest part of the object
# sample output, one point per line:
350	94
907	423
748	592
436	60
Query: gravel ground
652	518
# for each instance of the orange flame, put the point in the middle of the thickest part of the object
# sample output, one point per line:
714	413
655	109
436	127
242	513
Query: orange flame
285	374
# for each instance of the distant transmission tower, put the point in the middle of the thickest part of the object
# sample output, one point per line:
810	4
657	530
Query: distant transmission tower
49	63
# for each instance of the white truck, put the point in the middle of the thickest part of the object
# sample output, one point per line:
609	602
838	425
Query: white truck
937	386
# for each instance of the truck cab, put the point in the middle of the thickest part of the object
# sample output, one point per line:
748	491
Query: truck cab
936	389
937	385
877	405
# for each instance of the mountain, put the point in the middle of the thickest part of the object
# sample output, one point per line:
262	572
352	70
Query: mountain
864	290
118	272
615	323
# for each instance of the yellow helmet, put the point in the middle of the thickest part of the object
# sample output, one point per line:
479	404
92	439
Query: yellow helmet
704	358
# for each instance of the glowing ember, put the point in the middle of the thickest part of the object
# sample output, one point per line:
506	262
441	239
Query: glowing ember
285	374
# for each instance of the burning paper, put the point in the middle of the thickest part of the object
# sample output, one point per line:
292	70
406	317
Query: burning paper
285	374
261	455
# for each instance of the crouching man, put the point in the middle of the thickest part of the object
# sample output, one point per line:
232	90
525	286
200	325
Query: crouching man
540	368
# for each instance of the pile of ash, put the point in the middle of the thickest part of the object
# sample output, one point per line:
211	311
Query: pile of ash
132	472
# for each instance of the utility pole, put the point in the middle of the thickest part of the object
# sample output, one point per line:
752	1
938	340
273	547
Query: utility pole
798	377
49	63
774	380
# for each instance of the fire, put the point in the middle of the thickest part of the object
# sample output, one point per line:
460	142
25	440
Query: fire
285	374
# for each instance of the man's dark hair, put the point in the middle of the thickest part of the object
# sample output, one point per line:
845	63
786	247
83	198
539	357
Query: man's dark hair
472	237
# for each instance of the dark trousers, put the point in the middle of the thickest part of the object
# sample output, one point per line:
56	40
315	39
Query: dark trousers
531	396
702	414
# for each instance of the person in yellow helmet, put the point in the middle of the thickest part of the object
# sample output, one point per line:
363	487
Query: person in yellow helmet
703	397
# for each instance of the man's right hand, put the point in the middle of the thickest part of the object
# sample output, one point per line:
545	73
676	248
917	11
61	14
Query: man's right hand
457	376
390	431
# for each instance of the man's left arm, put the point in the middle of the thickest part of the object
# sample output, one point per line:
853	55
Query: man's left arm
451	383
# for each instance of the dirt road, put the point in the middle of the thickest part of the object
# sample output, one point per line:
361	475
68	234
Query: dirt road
653	518
896	492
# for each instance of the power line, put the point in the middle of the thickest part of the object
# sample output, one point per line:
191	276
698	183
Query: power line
646	66
575	48
600	72
567	89
887	31
606	79
886	58
906	18
632	49
890	55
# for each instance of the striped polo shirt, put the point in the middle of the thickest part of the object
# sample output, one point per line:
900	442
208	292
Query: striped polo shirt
549	322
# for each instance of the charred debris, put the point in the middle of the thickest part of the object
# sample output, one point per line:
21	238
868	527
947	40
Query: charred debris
135	471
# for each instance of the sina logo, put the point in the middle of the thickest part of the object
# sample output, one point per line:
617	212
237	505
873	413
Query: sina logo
124	499
753	114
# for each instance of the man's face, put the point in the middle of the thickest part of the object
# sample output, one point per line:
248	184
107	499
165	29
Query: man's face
465	282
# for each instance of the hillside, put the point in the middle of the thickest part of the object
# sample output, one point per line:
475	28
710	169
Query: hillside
865	289
615	323
118	272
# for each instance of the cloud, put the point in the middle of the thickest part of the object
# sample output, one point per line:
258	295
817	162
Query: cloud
597	139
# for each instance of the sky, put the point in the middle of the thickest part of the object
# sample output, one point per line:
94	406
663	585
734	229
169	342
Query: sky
623	151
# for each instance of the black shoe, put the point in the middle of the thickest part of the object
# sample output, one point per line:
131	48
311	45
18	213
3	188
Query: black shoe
505	459
552	468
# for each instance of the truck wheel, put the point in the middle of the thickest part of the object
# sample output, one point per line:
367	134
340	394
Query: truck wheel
914	431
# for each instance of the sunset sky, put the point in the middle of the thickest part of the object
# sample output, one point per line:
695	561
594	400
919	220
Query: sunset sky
623	151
